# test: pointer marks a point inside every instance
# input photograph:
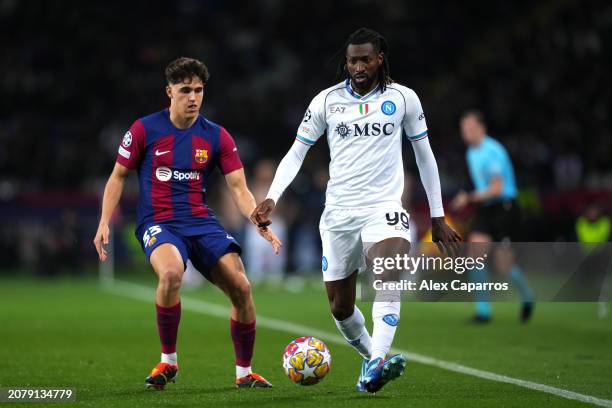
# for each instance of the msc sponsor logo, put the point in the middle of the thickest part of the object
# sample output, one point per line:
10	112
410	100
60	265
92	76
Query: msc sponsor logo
365	129
374	129
165	174
343	130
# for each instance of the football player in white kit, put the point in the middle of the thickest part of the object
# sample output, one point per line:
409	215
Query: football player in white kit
364	116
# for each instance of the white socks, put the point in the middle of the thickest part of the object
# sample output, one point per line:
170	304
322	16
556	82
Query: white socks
354	331
242	371
385	316
169	358
172	359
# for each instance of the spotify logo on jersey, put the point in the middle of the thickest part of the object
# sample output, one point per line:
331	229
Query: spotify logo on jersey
163	173
166	174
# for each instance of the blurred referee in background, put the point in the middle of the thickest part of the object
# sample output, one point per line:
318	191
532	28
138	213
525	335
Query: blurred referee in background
498	216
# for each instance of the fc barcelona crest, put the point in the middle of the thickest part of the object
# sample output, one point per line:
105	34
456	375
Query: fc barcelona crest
201	155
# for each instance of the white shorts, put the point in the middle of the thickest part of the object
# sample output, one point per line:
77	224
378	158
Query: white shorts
346	231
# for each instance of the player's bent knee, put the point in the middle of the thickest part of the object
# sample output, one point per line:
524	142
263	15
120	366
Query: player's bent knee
239	292
243	291
171	278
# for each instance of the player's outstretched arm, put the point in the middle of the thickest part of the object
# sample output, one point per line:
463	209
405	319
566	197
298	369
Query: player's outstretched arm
242	196
444	236
112	194
285	173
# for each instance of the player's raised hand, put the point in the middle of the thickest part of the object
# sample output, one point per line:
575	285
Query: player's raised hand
261	214
100	240
444	236
271	238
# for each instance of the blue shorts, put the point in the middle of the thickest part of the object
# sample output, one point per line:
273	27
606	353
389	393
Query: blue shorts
203	250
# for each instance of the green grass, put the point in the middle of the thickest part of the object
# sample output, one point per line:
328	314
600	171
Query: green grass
73	334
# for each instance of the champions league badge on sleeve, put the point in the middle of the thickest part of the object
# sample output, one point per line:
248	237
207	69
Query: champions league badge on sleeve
127	139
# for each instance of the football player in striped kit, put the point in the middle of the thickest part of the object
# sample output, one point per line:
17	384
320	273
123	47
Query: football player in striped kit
174	151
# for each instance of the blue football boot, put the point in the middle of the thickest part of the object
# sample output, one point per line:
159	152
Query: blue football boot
360	387
379	372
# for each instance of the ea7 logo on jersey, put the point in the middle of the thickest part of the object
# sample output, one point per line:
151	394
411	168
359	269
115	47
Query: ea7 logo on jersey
127	139
336	109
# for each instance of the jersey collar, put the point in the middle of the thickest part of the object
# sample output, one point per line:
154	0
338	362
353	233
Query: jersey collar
349	89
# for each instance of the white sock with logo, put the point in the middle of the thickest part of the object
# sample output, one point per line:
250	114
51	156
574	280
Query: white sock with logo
385	316
354	331
171	358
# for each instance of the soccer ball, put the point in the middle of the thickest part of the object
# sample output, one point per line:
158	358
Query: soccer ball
306	360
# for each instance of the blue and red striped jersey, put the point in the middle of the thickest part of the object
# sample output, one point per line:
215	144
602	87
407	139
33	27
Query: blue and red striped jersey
173	165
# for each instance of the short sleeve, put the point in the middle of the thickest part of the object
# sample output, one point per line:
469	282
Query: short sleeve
495	162
414	123
229	160
493	169
313	124
132	147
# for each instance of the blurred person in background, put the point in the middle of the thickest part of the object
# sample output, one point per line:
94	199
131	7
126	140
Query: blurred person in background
174	152
263	264
498	215
593	231
593	227
365	117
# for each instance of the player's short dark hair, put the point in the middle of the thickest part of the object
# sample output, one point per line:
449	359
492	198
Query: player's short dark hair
185	68
363	36
476	114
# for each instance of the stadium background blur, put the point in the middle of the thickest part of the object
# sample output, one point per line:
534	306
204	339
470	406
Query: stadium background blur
75	75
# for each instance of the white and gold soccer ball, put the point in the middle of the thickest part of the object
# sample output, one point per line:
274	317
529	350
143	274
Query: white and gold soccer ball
306	360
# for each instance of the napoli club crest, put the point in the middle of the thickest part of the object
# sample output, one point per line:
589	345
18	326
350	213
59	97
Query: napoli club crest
201	156
388	108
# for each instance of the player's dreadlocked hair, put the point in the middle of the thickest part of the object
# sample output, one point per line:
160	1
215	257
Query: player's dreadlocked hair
185	68
364	36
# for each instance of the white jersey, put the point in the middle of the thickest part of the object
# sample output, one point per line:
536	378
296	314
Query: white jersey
364	134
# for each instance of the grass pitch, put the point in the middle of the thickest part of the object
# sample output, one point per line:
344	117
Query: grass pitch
75	334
